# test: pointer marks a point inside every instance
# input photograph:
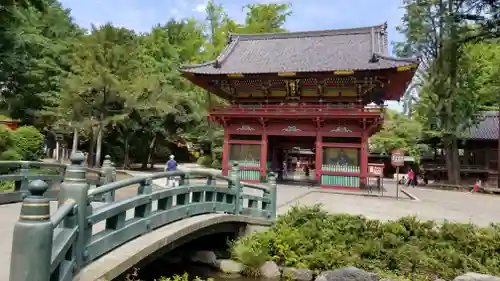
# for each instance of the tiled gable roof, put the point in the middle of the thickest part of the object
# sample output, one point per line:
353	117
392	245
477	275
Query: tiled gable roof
487	129
363	48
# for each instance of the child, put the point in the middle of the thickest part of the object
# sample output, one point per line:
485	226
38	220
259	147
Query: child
476	186
402	180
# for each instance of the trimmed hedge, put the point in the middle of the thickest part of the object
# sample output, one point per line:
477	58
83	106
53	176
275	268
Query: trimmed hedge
28	142
24	143
204	160
307	237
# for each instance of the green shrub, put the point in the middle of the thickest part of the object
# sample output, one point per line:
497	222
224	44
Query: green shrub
7	186
28	142
6	139
11	154
204	160
6	118
184	277
311	238
216	164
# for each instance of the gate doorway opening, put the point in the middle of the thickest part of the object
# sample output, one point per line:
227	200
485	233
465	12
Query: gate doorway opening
293	159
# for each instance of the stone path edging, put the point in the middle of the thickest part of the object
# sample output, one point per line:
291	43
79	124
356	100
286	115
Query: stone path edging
412	197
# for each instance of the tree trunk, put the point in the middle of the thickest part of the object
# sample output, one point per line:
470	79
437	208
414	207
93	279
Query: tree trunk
145	158
98	146
151	150
452	162
74	148
91	155
456	161
498	152
126	159
210	128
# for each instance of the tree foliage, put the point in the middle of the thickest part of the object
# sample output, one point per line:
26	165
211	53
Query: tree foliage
398	132
450	79
110	89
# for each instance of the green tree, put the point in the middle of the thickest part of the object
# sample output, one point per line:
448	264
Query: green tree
33	57
479	69
398	132
103	60
446	107
265	18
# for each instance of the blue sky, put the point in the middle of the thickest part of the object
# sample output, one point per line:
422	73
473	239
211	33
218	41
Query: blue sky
141	15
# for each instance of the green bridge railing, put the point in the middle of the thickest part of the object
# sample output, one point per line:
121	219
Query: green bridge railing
16	175
56	247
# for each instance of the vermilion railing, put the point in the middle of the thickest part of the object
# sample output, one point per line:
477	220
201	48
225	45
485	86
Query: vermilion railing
298	108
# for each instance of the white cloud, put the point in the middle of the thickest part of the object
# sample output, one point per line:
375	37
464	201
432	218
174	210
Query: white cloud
176	13
200	8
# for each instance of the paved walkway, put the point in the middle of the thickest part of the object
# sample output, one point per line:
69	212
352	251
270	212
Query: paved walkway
432	204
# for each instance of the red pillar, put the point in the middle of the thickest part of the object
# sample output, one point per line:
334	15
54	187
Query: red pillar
263	155
225	153
364	159
319	155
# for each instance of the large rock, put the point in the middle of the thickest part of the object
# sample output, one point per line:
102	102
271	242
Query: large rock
270	270
347	274
473	276
204	257
299	274
229	266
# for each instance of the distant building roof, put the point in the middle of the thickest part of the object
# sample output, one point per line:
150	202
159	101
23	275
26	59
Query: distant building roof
487	129
363	48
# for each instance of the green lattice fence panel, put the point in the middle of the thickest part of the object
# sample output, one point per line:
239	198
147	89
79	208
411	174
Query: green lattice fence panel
250	174
340	168
246	174
337	180
246	163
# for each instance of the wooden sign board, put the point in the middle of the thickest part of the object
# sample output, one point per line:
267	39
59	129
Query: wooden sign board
397	158
376	170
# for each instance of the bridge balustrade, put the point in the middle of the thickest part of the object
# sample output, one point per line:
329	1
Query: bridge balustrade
57	247
18	174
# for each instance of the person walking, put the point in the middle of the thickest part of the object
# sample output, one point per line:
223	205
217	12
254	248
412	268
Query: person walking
411	177
171	167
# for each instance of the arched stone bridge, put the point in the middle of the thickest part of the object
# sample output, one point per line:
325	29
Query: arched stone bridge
84	241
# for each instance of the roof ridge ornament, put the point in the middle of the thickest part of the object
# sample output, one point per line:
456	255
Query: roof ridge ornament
374	58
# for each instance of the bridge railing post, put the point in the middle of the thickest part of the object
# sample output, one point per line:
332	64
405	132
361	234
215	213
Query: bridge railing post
235	175
76	187
146	187
272	196
33	234
107	177
113	171
22	185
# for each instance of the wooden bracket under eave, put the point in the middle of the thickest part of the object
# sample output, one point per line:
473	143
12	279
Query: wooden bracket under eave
262	121
406	67
286	74
344	72
318	122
